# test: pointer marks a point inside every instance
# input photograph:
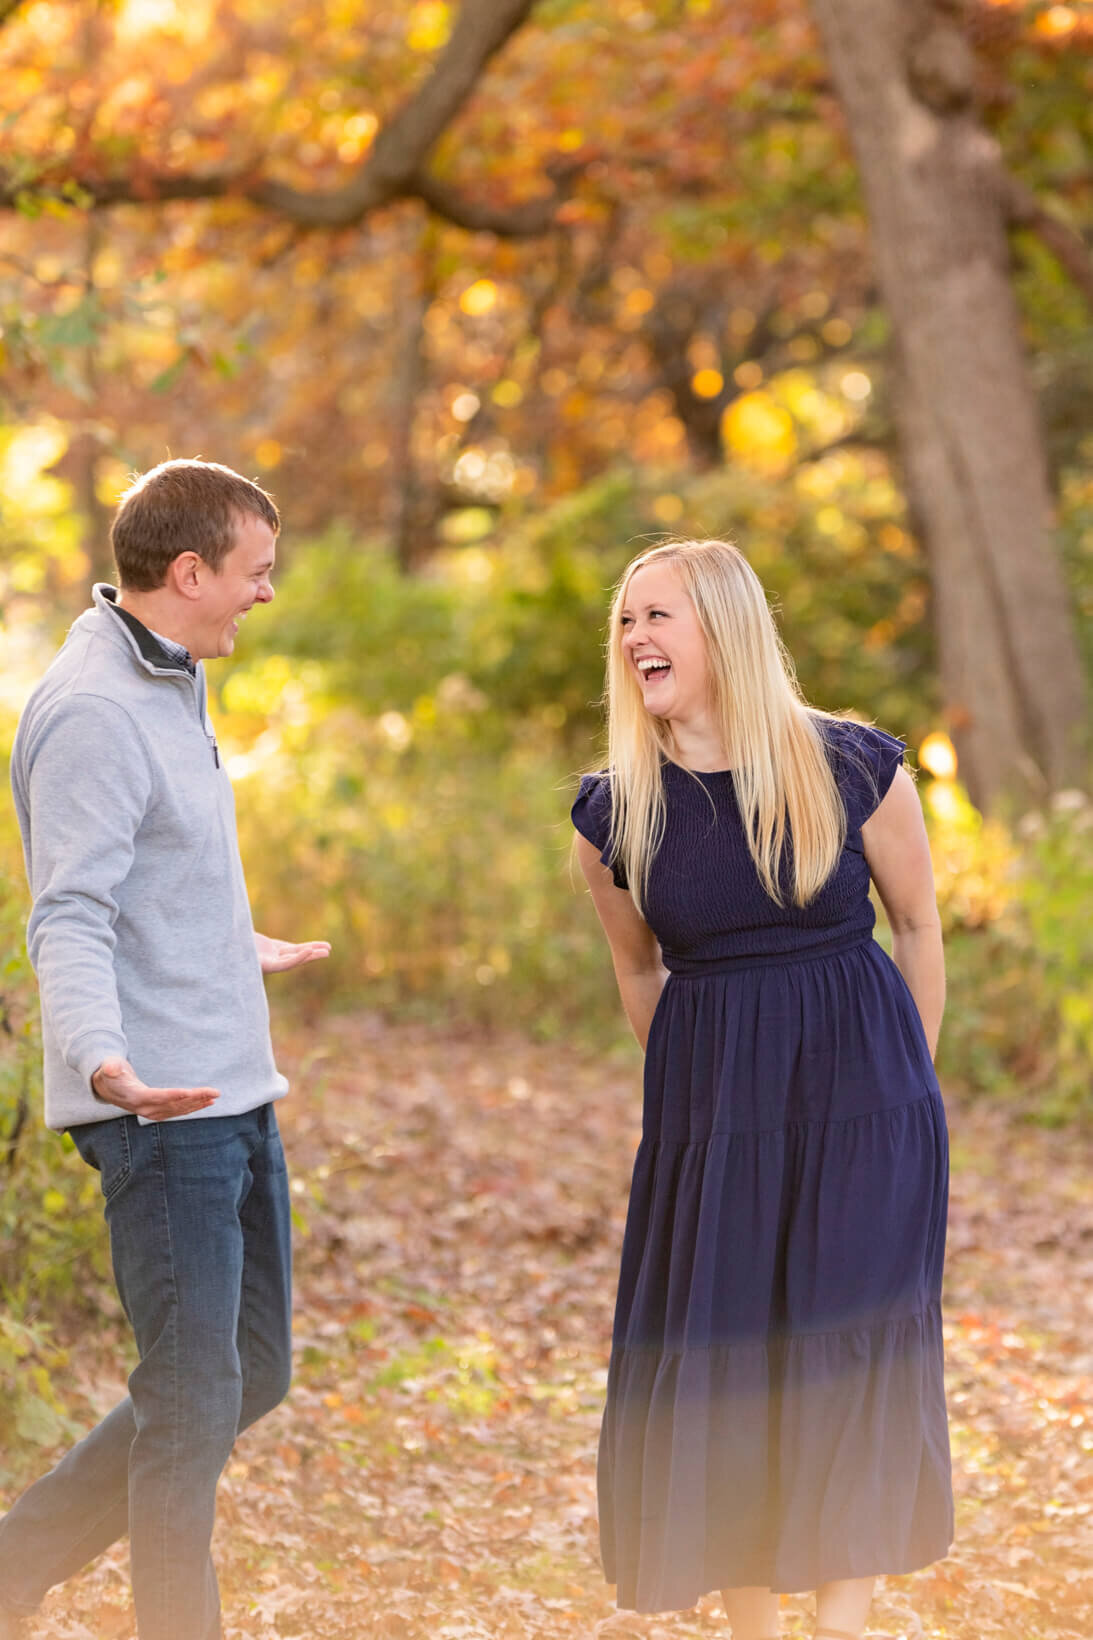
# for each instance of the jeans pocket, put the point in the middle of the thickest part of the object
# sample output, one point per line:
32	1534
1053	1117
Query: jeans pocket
105	1147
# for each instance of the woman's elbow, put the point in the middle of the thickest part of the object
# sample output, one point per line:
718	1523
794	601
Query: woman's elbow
923	921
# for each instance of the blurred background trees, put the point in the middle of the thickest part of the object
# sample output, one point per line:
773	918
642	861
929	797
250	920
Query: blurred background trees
423	266
941	199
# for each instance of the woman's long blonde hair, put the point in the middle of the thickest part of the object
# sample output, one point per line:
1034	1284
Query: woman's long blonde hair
784	784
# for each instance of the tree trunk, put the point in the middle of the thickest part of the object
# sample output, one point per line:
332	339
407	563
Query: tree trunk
971	442
413	505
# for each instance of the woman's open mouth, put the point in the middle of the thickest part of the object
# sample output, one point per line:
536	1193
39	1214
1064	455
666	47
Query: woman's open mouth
653	668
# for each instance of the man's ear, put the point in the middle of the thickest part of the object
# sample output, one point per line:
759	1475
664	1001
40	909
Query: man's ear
184	574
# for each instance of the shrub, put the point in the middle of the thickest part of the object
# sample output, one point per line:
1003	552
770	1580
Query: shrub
52	1245
1014	900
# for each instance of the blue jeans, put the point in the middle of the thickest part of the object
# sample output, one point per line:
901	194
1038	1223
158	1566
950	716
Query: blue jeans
200	1240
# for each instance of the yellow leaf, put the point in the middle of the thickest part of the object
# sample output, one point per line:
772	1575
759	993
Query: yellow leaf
508	394
267	452
668	508
430	24
707	384
1056	21
478	298
758	432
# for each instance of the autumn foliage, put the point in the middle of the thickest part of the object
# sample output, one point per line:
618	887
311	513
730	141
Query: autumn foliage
491	294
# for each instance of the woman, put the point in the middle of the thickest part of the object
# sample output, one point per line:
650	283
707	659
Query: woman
775	1410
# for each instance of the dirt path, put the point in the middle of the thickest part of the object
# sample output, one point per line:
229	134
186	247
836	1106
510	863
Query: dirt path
432	1476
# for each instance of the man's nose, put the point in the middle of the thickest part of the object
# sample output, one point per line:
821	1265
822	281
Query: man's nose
265	592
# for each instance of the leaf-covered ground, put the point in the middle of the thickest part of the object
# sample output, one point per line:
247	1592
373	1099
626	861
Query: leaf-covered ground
461	1207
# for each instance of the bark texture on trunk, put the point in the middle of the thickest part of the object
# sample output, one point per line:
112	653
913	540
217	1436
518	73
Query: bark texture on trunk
970	437
413	500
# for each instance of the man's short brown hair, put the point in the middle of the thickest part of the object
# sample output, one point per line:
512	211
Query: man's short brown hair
182	506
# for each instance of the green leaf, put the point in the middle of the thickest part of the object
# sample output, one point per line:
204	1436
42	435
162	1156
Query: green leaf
37	1421
167	378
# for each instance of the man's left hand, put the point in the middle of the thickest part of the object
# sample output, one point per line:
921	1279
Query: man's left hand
276	956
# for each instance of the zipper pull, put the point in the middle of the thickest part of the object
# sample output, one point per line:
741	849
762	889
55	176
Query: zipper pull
210	736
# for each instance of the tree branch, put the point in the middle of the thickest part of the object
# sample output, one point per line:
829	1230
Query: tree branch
1025	210
6	9
394	168
524	221
482	28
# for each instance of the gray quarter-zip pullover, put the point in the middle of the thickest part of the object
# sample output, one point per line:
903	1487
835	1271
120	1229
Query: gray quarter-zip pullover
141	932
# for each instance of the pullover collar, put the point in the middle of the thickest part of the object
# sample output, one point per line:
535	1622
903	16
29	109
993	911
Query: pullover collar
157	654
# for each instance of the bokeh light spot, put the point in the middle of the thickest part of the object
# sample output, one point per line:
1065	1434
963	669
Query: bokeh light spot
938	754
707	384
479	298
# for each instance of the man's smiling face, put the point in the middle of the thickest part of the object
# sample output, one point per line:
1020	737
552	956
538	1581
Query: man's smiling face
242	581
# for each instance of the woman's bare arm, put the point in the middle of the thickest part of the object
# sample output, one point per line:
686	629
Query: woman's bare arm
897	852
634	949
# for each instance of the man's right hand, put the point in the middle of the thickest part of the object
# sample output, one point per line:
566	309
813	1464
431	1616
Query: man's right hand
117	1083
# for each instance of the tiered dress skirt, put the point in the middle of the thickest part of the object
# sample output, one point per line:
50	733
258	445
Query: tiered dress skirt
776	1409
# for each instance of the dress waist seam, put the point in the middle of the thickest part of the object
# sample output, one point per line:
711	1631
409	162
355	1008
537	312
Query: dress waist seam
771	959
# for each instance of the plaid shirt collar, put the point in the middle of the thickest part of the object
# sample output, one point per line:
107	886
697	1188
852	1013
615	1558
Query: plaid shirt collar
175	654
175	651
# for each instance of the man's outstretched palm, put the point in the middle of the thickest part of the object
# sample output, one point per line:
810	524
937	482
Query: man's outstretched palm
117	1083
277	956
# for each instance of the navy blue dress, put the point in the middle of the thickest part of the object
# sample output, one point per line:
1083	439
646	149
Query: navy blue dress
775	1402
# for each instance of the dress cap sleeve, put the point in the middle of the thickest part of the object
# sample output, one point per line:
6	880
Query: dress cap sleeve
591	815
865	761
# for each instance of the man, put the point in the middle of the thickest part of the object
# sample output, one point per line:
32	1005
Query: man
156	1036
